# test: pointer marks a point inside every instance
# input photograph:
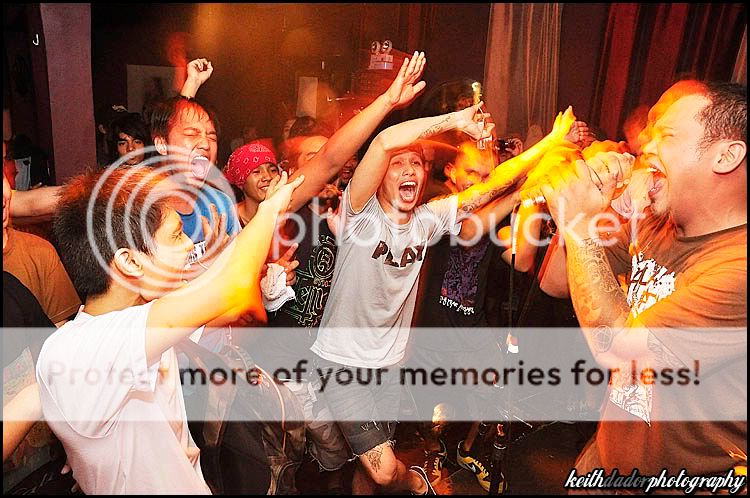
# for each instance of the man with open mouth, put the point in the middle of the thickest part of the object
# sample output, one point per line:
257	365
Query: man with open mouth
685	303
383	235
184	130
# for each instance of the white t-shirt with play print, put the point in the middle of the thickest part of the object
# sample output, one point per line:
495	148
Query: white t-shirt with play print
374	288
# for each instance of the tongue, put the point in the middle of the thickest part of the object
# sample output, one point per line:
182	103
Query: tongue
657	183
199	168
407	193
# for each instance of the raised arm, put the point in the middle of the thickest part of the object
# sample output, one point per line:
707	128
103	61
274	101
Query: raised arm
327	163
372	168
198	72
600	303
231	284
504	177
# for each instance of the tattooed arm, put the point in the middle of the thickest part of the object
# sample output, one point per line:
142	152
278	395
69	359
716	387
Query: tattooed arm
327	163
374	165
505	178
612	334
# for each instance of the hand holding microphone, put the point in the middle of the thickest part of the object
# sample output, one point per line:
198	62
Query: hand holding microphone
610	172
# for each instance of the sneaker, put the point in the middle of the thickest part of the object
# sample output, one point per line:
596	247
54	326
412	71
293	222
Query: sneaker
433	464
475	466
421	473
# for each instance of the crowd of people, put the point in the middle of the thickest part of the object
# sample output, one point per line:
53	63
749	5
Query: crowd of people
303	251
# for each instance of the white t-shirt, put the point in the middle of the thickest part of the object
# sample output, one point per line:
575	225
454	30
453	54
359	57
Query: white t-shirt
123	424
374	288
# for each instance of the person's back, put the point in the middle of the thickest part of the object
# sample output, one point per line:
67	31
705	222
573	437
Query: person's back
35	262
111	430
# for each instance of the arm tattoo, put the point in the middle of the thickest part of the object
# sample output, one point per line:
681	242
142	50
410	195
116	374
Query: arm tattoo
436	128
601	338
480	196
662	354
373	456
600	304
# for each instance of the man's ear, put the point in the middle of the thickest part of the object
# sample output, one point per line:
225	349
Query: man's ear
449	170
161	145
128	263
731	156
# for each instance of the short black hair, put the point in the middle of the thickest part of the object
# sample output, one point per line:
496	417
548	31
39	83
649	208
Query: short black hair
118	202
307	126
130	123
165	113
415	147
725	117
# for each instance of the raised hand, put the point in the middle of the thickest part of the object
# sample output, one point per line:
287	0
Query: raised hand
474	122
290	263
611	172
279	192
216	237
406	86
563	123
580	134
215	233
515	146
199	70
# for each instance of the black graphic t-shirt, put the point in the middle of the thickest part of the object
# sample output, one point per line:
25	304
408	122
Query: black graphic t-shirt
317	257
454	295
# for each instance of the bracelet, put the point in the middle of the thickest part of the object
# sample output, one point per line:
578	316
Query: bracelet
202	265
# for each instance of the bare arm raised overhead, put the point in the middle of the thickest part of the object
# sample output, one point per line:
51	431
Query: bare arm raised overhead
374	165
327	163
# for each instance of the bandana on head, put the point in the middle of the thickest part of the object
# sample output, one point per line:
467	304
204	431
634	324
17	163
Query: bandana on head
245	159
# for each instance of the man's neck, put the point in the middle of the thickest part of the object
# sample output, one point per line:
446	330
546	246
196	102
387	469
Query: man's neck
115	299
393	214
711	220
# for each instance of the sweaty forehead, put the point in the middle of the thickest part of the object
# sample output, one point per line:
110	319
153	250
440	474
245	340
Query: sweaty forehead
674	93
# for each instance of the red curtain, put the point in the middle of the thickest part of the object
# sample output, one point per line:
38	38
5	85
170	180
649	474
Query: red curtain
648	47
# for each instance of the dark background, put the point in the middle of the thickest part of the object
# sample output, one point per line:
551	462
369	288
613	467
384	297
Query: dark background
259	50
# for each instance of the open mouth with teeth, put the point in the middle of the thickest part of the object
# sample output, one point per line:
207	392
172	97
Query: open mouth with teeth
408	191
199	167
659	180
